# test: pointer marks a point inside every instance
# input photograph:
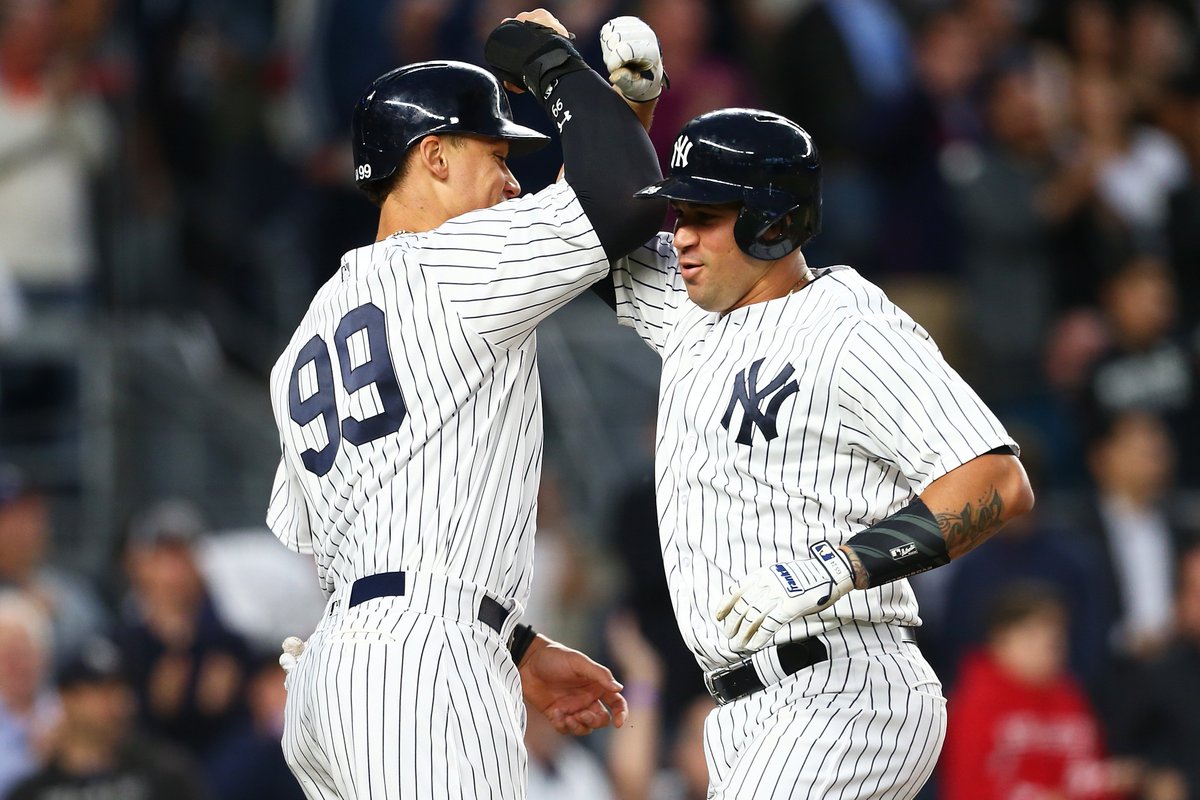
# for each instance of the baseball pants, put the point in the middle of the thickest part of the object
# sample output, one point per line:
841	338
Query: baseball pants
866	724
407	697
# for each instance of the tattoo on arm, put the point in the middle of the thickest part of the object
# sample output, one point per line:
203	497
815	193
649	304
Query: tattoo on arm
967	529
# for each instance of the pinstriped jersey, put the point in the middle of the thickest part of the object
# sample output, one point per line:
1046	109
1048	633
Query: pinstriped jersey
787	422
408	400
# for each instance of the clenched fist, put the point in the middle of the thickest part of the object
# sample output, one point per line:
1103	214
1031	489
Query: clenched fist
773	596
633	60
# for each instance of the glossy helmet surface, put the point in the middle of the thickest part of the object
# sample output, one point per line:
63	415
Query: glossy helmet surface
757	159
407	104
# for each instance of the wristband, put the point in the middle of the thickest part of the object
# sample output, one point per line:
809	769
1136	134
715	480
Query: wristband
906	543
518	643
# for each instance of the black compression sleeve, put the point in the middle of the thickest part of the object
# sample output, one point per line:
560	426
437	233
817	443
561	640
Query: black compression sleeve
608	157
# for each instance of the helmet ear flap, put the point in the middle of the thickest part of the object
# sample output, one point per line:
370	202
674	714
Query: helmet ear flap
754	235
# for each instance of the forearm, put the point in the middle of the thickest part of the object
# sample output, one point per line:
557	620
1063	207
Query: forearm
644	110
607	157
954	515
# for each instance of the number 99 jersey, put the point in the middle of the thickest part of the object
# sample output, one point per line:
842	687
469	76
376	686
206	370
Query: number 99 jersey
408	399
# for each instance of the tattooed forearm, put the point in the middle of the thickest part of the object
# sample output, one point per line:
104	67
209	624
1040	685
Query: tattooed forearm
967	529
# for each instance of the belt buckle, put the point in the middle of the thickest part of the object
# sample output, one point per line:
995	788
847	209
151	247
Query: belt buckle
710	678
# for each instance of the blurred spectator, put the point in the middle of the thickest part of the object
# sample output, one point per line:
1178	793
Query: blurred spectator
1135	167
1165	727
1007	261
1132	464
1149	365
1112	190
72	606
1179	113
1020	727
686	776
187	666
1157	46
55	136
835	68
635	750
261	591
701	79
96	754
569	579
249	765
28	708
633	539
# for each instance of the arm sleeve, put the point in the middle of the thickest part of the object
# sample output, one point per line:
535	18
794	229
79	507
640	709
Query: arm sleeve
607	156
648	290
287	515
902	403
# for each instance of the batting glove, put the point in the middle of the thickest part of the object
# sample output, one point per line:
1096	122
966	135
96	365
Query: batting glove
293	648
633	60
773	596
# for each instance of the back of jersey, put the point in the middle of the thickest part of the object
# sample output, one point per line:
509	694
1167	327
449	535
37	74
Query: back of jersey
408	400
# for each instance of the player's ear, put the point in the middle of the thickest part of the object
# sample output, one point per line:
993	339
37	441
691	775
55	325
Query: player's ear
431	152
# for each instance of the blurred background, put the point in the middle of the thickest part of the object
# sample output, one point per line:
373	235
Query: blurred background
1022	176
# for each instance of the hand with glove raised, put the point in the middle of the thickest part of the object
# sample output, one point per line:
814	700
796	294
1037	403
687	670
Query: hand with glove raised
633	59
771	597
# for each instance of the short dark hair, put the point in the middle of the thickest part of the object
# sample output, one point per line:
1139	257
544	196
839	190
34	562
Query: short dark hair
1020	601
377	191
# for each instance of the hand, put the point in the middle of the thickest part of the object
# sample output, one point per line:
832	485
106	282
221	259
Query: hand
575	693
542	17
293	648
539	16
633	60
773	596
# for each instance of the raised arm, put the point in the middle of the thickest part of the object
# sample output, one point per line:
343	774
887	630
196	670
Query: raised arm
607	155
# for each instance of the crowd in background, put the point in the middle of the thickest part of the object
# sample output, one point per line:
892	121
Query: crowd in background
1022	176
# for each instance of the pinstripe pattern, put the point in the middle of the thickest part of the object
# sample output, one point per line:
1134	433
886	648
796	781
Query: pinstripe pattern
875	415
386	700
868	723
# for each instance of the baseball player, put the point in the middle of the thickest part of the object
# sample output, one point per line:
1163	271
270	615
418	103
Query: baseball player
813	450
409	415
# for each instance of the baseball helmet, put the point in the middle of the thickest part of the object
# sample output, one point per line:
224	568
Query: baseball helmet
407	104
762	161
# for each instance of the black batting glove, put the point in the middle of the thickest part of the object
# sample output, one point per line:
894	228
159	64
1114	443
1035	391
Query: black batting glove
530	55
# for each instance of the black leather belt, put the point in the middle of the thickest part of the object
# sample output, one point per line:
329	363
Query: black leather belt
391	584
741	679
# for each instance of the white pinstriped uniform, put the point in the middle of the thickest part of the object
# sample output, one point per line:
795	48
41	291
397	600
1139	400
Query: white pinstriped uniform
850	412
418	359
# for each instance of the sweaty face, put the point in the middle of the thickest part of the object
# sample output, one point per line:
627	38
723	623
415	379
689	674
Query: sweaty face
479	174
719	276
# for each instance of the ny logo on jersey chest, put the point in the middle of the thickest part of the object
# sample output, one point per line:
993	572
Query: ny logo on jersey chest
749	395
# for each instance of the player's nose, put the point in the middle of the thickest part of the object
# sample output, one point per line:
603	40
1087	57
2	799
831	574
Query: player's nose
685	235
512	188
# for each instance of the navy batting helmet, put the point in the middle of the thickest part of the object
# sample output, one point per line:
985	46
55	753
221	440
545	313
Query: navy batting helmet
403	106
762	161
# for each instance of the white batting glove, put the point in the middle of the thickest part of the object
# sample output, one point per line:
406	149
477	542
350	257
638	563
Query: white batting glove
773	596
293	648
633	60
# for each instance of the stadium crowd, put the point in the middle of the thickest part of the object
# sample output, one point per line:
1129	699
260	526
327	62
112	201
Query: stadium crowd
1021	176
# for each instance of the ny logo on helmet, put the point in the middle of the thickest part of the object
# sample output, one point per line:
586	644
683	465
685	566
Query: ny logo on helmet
679	156
749	395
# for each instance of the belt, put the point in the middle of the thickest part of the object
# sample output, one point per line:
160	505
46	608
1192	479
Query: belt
745	677
742	678
391	584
